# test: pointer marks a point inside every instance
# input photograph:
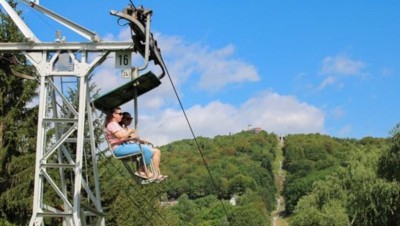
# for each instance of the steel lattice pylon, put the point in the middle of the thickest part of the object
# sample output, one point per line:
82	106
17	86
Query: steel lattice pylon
65	153
66	176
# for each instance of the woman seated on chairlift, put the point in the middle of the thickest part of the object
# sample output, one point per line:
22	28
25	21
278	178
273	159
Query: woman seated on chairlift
119	137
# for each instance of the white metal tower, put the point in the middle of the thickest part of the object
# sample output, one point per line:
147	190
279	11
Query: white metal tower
66	165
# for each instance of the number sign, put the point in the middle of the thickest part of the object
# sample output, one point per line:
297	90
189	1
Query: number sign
123	59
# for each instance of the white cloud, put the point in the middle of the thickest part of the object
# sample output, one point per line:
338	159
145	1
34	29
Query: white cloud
283	114
107	78
328	81
160	120
338	112
337	67
386	72
216	68
213	69
342	65
345	131
270	111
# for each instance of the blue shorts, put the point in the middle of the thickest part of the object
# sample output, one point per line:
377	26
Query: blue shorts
131	148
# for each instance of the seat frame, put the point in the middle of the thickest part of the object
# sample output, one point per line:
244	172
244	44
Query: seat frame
134	157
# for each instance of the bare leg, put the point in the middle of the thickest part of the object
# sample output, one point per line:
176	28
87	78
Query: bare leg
156	160
142	171
156	175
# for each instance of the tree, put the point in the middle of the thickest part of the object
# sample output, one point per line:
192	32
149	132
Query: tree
324	206
389	163
17	129
354	194
247	216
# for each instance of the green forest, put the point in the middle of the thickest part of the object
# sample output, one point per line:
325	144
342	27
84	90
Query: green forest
329	181
240	165
224	180
333	181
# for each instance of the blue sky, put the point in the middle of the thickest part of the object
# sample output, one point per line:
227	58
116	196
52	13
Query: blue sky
286	66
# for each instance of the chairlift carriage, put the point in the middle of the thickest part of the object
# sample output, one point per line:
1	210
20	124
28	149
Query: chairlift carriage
119	96
66	160
139	19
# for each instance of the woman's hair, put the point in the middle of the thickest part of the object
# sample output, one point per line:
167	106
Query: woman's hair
109	116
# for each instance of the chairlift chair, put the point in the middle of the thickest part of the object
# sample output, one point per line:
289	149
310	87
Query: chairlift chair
119	96
144	43
137	158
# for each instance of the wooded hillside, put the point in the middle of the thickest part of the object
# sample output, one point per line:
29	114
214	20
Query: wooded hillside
342	181
329	181
240	166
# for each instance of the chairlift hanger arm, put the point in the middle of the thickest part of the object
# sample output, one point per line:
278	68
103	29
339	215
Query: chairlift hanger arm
90	35
139	21
136	17
141	38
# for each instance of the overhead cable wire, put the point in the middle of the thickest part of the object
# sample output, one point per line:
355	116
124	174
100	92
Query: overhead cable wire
52	27
194	137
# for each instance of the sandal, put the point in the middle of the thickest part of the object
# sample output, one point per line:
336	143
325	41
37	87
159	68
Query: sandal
158	178
143	175
162	177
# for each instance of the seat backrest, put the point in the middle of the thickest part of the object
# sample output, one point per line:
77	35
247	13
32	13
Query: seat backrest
112	151
138	157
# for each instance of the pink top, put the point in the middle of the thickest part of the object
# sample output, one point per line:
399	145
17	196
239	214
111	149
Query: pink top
112	128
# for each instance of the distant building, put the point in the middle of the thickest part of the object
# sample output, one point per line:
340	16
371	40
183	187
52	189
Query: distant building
255	130
233	199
